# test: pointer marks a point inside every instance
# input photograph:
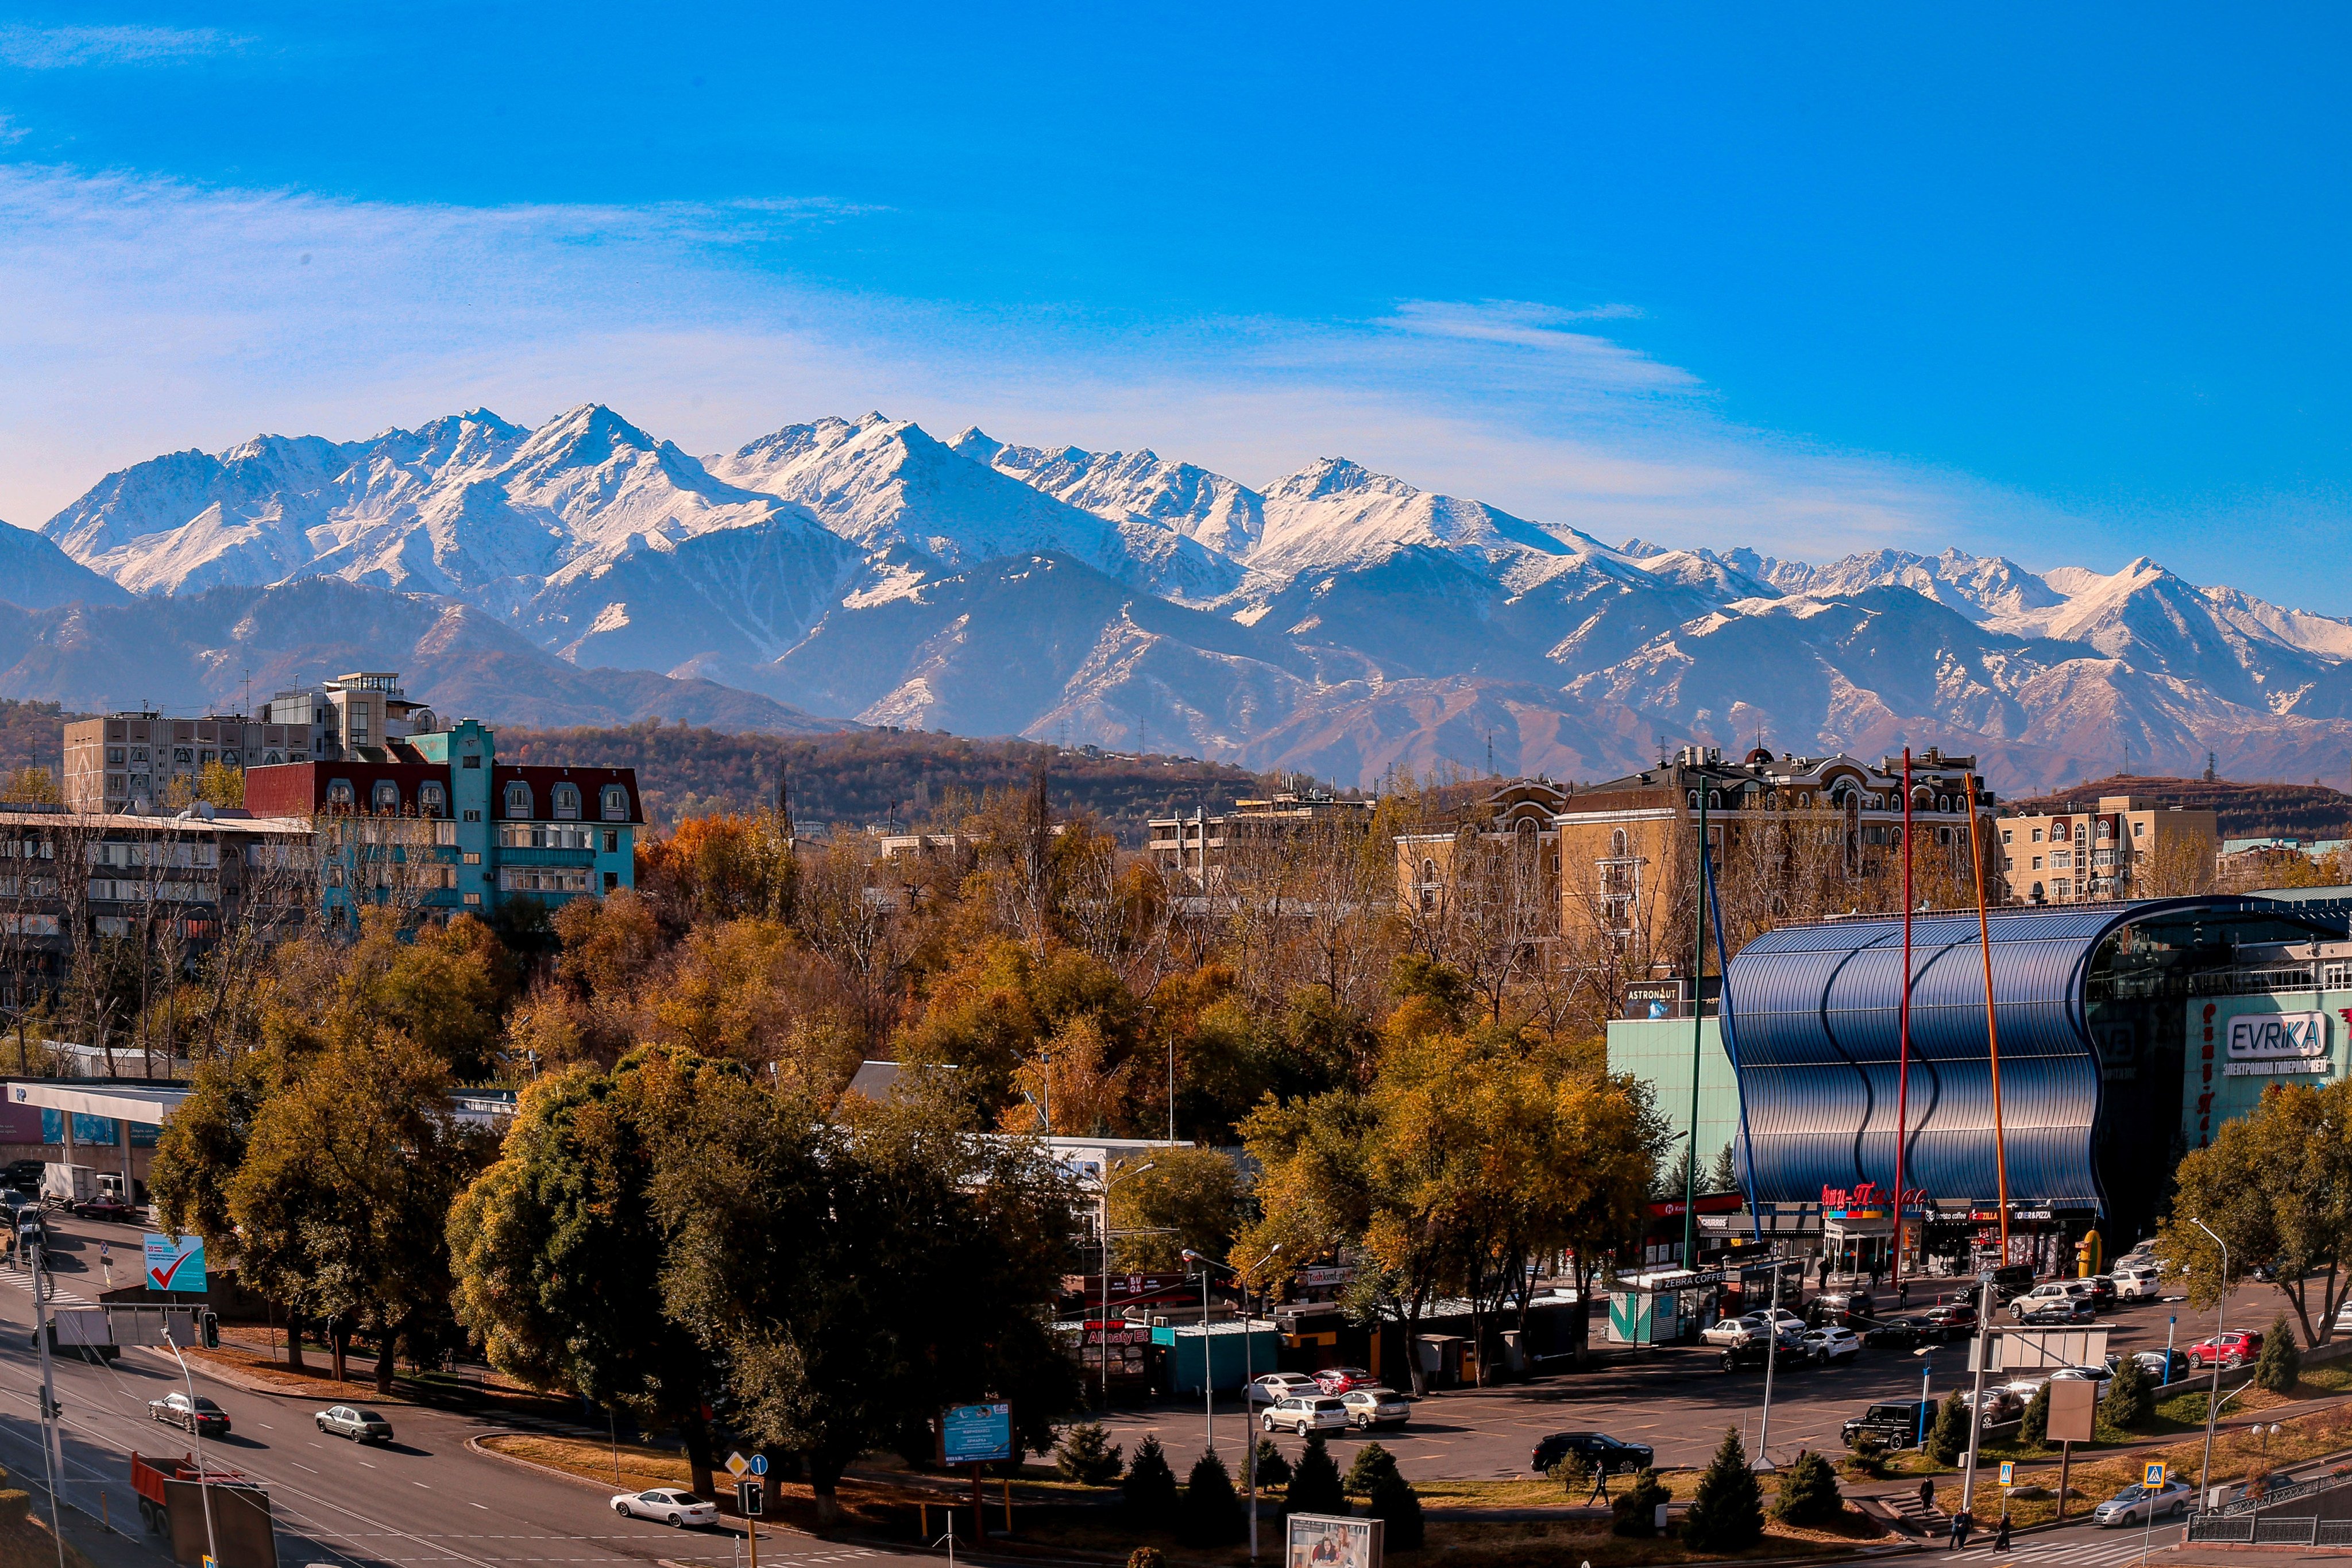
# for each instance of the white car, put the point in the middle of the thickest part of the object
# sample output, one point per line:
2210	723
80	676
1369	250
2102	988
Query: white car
2045	1294
1832	1344
1278	1385
2138	1504
1305	1413
1376	1407
665	1505
1732	1331
2139	1282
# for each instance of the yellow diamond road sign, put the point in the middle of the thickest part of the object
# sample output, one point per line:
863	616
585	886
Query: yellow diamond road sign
737	1464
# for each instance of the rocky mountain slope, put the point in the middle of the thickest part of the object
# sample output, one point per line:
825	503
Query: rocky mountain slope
1337	621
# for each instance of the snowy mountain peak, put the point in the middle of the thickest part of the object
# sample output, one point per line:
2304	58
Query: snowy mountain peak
1332	477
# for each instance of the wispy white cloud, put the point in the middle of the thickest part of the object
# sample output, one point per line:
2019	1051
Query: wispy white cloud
68	47
141	316
10	131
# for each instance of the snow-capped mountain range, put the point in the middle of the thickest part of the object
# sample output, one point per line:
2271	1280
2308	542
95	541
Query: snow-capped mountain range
1337	621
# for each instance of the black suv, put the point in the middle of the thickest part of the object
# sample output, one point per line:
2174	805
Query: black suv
22	1177
1897	1423
1605	1454
1843	1308
2012	1279
1755	1352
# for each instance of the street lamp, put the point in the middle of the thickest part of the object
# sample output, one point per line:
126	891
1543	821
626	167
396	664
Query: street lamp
2213	1396
1109	1182
1240	1277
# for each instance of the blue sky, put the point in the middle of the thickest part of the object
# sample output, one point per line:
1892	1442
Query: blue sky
2066	287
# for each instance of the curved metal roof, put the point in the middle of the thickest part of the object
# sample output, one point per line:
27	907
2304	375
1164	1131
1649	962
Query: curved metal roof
1815	1014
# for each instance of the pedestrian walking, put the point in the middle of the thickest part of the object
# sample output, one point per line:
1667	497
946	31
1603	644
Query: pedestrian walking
1961	1525
2000	1535
1903	1291
1600	1485
1928	1494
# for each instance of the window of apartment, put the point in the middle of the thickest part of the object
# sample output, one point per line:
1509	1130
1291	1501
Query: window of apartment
2139	830
2007	837
432	800
473	816
612	882
612	841
473	759
385	796
185	755
473	858
567	802
138	753
114	755
2082	834
474	898
2037	836
518	799
616	803
2065	887
340	792
2037	887
2037	862
2007	864
114	784
228	759
272	759
206	758
141	783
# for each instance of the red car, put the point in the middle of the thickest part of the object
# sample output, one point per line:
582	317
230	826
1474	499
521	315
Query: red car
2233	1349
1340	1379
105	1205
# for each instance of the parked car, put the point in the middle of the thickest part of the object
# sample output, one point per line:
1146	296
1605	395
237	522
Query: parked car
1732	1331
1792	1327
2101	1290
2000	1405
1899	1424
199	1415
2235	1348
2163	1367
1339	1379
103	1206
666	1505
1895	1334
1276	1386
1834	1343
2055	1310
2138	1504
2098	1375
2137	1281
2012	1279
349	1421
1604	1453
1376	1407
1305	1413
23	1176
1847	1308
1752	1355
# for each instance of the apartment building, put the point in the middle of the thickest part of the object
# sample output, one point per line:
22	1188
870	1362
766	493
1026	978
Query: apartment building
1193	852
2125	848
1519	813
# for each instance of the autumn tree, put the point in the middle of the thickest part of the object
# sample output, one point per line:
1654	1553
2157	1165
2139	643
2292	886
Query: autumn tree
1190	1200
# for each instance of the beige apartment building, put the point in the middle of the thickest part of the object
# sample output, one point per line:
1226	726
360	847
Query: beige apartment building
2127	847
1192	852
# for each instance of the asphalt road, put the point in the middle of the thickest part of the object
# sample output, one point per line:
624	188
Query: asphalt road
422	1500
1678	1401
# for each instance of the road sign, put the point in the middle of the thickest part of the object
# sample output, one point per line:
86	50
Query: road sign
975	1433
759	1464
175	1263
2008	1473
2153	1475
751	1499
737	1464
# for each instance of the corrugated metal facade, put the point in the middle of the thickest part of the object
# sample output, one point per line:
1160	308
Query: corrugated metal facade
1816	1012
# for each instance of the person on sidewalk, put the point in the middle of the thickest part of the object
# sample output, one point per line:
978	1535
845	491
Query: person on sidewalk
1962	1524
1927	1494
2000	1535
1599	1486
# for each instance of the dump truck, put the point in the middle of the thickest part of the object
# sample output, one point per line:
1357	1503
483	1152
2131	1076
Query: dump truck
171	1505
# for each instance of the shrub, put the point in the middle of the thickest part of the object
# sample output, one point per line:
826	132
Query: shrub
1315	1482
1809	1494
1727	1512
1273	1469
1574	1473
2130	1398
2280	1366
1373	1462
1087	1456
1210	1513
1145	1557
1949	1438
1150	1486
1636	1508
2035	1427
1394	1500
1868	1459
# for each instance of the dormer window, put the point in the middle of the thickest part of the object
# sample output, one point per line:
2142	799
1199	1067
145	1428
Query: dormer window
340	793
616	803
518	800
385	798
567	802
432	800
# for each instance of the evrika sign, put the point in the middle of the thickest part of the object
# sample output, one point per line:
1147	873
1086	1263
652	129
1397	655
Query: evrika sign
2271	1037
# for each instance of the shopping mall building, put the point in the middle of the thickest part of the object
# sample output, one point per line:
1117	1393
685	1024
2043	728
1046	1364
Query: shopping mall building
2128	1033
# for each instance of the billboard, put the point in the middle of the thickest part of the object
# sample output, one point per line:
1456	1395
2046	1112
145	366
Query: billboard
1324	1540
975	1433
2276	1042
175	1263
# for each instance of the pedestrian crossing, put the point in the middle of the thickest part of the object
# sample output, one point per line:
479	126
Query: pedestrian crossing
2073	1551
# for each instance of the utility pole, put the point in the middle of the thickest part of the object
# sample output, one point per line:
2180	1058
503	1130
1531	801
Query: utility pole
1982	1352
2213	1394
1699	1039
52	1455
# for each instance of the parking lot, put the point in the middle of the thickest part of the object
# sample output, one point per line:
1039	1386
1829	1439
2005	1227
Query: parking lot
1676	1399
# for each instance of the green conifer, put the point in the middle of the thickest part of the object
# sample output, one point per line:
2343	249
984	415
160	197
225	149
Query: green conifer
2036	1428
1371	1463
1949	1438
1727	1512
1087	1456
1314	1481
1150	1486
1636	1508
2280	1366
1210	1513
1394	1500
1809	1493
2130	1398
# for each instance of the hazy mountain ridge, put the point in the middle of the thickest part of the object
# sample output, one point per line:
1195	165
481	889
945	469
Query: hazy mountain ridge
1338	620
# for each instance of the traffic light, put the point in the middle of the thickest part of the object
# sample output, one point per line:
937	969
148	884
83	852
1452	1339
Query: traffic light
208	1330
751	1499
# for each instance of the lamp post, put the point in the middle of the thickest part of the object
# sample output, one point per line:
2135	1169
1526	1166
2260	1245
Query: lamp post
1109	1182
2213	1396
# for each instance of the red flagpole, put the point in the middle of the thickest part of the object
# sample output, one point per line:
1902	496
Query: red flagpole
1903	1061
